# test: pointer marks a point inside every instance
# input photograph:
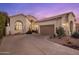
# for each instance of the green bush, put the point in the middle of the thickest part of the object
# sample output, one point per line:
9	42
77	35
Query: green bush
4	19
3	22
60	32
75	35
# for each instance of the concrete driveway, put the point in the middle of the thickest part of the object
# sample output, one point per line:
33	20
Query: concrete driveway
33	45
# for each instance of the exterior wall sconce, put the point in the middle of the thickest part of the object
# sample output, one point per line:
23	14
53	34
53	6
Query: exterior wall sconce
65	24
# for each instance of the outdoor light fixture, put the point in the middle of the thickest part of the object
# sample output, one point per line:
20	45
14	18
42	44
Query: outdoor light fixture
65	24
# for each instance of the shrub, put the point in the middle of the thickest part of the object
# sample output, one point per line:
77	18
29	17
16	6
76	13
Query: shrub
29	32
75	35
4	19
34	31
69	42
60	32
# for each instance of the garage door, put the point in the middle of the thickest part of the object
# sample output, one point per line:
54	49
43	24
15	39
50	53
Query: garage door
47	29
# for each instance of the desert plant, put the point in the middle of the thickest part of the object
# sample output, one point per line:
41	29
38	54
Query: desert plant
75	35
60	32
69	42
3	23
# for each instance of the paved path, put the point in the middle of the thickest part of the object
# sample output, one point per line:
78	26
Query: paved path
33	45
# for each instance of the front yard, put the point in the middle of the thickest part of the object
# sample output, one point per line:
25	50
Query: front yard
67	41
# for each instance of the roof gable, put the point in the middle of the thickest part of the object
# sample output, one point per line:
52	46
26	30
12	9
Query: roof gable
56	17
29	17
18	15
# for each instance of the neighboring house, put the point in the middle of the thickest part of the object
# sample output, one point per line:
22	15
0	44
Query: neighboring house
19	24
77	27
49	25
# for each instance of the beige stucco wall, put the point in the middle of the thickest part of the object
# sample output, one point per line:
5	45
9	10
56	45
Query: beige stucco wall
20	18
67	26
60	22
7	29
56	23
71	18
26	24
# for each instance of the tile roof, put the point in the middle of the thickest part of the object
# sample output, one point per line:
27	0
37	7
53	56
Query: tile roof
55	17
30	17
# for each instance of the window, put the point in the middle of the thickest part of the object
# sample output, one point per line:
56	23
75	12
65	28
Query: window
18	26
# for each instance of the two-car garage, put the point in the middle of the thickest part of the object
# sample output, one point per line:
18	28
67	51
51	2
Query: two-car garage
47	29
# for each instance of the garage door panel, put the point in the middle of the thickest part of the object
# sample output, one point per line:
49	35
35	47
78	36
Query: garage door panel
47	29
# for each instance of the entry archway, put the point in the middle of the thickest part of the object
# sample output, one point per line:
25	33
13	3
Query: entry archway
71	26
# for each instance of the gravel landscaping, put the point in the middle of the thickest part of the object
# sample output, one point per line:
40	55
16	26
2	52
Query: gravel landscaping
67	41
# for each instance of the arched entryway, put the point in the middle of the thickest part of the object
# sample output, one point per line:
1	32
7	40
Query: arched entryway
71	27
18	27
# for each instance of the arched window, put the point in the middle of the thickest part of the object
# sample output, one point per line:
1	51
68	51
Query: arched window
18	26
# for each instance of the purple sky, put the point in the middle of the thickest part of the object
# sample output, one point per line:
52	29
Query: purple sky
40	10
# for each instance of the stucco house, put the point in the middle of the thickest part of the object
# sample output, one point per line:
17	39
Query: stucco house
21	23
50	24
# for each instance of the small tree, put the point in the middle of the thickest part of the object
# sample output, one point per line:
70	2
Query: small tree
4	19
60	32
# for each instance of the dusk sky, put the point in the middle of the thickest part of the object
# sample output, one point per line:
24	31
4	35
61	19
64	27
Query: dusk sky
40	10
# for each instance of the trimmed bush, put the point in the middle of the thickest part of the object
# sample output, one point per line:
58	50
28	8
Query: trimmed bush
75	35
60	32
